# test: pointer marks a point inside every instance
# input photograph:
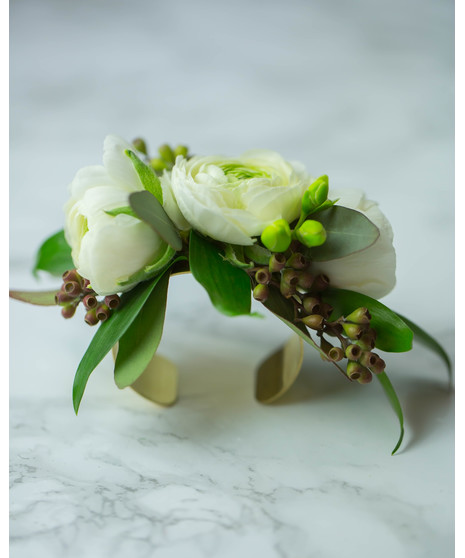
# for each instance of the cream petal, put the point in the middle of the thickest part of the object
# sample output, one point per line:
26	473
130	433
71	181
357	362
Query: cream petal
118	164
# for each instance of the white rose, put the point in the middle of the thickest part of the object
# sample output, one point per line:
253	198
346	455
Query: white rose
109	249
234	199
372	271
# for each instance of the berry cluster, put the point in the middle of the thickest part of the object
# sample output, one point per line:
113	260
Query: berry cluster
74	290
291	273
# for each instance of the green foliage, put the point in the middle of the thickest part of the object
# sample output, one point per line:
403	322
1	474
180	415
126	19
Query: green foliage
395	403
152	269
126	210
348	231
235	255
39	298
393	335
227	286
54	255
148	178
140	342
148	209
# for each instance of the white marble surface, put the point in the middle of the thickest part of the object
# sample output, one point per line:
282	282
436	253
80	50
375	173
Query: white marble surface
362	91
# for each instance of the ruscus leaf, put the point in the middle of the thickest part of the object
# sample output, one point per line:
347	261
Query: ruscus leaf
395	403
147	176
54	256
227	286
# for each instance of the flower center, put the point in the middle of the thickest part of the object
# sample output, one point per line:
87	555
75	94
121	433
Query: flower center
242	172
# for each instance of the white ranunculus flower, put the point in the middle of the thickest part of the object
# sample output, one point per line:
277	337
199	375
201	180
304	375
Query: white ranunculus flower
106	249
232	199
372	271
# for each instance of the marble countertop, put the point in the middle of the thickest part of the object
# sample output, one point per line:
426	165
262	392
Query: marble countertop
364	94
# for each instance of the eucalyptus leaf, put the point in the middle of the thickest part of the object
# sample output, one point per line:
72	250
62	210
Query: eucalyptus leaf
395	403
109	333
227	286
148	209
348	231
424	338
54	256
393	334
39	298
147	176
140	342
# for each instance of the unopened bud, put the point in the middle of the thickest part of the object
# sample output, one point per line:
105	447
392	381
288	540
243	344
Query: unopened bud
167	153
297	261
261	292
311	233
290	276
157	164
379	366
315	195
353	331
277	236
91	318
140	145
354	370
277	262
263	276
286	289
353	352
112	301
305	280
311	305
365	377
102	312
181	150
367	341
359	316
321	283
336	354
68	311
326	309
72	288
368	359
90	301
314	321
62	298
72	275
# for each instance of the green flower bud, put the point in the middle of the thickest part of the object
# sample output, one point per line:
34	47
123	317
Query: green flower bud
140	145
353	352
167	154
297	261
354	370
316	194
261	292
353	331
314	321
311	233
277	262
359	316
181	150
157	165
277	236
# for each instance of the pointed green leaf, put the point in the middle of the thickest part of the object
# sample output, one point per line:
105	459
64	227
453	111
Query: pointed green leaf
148	209
147	176
258	254
421	336
235	255
395	403
54	255
227	286
393	335
348	231
150	270
140	342
283	308
121	211
40	298
109	333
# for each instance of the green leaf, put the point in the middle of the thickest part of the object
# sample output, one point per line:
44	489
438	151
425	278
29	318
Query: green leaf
422	337
109	333
283	308
348	232
140	342
227	286
148	209
149	179
235	255
393	335
40	298
121	211
395	403
54	255
152	269
258	254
